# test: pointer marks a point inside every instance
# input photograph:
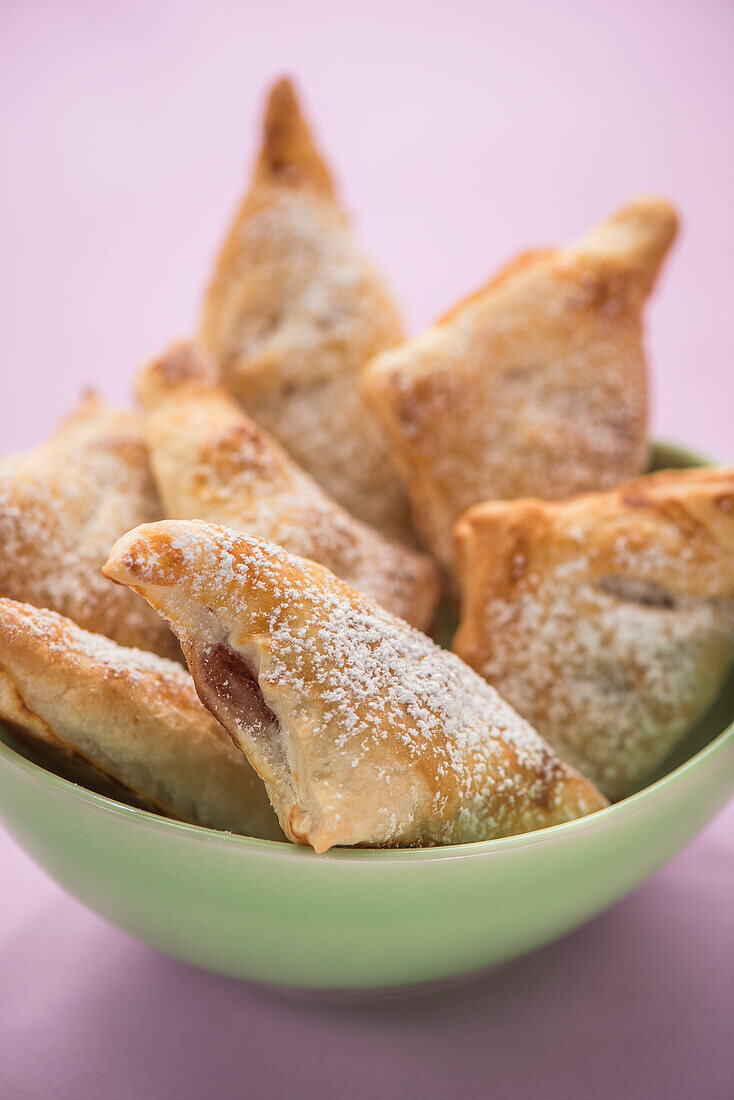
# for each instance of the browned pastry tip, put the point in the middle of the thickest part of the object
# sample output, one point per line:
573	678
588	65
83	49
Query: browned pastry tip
184	365
288	154
635	239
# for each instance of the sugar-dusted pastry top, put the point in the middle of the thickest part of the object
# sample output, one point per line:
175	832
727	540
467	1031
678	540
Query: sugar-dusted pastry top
62	506
125	722
293	313
365	732
534	386
211	462
607	620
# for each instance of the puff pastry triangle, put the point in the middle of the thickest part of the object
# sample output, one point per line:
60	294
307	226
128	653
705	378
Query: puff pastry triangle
293	313
364	731
607	620
534	386
62	505
123	722
211	462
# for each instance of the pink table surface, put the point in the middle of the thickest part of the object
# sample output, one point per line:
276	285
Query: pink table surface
462	132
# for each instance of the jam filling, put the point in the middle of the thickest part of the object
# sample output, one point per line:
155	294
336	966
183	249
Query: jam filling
230	684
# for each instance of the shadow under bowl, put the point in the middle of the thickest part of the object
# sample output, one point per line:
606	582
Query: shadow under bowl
357	919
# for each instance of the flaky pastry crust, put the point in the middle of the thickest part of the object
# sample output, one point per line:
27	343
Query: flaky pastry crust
364	731
534	386
293	313
62	506
607	620
211	462
124	722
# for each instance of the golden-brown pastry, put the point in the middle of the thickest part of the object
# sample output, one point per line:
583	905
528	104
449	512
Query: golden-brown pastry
62	505
364	731
293	313
607	620
211	462
534	386
124	722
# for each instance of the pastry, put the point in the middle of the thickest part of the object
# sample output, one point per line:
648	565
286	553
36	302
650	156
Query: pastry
124	722
364	731
534	386
607	620
293	313
62	506
211	462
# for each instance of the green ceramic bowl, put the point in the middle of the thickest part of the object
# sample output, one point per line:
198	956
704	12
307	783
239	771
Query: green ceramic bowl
360	919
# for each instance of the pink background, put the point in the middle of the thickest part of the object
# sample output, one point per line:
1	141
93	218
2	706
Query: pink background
462	132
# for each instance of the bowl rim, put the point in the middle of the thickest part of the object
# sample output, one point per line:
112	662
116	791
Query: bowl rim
284	849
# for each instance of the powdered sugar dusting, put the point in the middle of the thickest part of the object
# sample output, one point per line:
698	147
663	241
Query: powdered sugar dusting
357	690
62	637
611	686
62	506
294	313
211	462
618	633
535	386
